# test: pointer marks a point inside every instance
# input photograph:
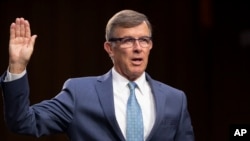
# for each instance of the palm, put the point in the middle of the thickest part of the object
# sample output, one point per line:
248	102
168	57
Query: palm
21	43
19	50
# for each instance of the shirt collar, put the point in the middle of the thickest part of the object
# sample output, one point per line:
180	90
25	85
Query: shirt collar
122	81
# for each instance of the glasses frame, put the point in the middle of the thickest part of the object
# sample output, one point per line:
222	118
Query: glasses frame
140	39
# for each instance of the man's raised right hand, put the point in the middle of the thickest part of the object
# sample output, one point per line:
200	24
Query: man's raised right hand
21	45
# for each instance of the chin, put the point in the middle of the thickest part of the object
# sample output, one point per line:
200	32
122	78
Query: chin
137	73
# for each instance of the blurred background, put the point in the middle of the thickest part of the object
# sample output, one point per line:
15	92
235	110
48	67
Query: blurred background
200	46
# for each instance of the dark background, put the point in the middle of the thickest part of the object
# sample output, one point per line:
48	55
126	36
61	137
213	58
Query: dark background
200	46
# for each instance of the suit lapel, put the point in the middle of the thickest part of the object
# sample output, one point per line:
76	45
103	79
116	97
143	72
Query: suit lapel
159	103
105	92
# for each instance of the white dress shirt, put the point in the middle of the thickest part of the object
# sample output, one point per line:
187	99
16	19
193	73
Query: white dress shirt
144	97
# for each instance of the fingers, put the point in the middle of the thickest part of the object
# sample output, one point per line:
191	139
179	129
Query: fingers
17	27
12	31
20	28
27	29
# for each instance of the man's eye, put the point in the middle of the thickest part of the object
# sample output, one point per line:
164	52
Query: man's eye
127	40
144	40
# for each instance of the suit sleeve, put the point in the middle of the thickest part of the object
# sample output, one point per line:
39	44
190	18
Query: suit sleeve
2	78
185	128
47	117
1	81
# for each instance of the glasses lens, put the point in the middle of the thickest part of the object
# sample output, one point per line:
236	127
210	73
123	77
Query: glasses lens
127	42
130	42
144	41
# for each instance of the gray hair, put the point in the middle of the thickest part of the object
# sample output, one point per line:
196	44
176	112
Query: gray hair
125	19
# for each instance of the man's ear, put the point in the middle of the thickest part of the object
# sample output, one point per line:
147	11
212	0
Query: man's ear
109	49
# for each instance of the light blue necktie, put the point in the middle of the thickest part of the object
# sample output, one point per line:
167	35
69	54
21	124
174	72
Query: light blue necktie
134	130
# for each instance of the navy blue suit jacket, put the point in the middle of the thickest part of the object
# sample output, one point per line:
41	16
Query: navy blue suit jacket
84	110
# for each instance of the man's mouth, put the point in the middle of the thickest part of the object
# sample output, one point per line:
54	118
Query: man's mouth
137	61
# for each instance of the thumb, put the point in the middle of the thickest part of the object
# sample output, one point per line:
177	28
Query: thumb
32	40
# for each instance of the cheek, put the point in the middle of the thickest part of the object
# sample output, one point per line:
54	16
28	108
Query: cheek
123	60
121	57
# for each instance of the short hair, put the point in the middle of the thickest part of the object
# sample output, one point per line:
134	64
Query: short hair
126	19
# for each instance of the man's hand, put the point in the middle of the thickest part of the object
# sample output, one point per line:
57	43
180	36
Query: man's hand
21	45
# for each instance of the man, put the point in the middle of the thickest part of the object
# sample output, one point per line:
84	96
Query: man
95	108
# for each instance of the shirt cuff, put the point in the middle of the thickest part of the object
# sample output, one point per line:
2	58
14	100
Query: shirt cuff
11	76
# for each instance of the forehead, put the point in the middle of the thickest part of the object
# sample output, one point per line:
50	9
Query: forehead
137	31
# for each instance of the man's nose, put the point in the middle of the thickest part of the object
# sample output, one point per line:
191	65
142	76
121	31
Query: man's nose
137	44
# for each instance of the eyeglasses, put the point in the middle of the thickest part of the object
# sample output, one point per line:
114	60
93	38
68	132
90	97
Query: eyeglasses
128	42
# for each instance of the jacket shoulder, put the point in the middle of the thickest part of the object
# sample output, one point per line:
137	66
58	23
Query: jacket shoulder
87	80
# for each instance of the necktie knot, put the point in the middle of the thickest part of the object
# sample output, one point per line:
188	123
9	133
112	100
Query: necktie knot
132	85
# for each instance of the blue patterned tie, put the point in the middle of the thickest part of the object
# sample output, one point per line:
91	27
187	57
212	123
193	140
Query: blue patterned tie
134	130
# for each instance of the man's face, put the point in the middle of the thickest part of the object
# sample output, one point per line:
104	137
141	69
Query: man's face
130	57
